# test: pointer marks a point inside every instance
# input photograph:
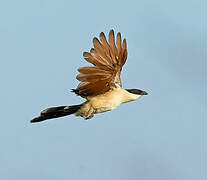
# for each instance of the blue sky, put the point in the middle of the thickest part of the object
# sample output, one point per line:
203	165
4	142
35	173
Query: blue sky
161	136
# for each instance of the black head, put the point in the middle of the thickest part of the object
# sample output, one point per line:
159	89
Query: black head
137	91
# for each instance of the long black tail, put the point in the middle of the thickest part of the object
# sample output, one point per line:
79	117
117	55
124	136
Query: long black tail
55	112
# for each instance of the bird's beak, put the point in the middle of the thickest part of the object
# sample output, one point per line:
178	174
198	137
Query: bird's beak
144	93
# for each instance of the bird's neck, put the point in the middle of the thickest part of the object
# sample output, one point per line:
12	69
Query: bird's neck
127	96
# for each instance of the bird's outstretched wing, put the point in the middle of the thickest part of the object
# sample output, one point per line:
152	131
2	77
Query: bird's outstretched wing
108	57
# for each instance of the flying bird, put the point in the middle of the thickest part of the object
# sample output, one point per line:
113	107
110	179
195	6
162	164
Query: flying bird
100	84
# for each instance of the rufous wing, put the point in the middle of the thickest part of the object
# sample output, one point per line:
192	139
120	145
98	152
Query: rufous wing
108	58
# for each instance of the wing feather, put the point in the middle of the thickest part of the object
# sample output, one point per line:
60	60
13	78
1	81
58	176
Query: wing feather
112	45
101	50
106	47
97	56
124	53
92	77
89	69
118	45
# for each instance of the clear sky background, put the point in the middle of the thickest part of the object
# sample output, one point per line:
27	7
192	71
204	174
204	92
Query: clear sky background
161	136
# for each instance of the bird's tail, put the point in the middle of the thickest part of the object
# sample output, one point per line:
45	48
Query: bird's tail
55	112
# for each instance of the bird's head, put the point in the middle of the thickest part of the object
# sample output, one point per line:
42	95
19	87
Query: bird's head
137	92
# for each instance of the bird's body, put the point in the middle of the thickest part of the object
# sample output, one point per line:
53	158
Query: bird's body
105	102
100	84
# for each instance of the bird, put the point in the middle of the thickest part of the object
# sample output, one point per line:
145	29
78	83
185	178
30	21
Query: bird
100	84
